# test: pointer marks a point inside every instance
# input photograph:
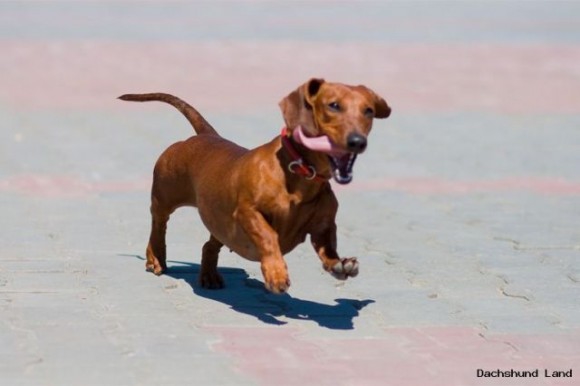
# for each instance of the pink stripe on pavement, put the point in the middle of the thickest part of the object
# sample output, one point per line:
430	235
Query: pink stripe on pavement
402	356
63	186
438	186
70	186
239	76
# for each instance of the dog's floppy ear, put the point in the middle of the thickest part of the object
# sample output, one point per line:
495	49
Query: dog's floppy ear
297	106
311	88
382	109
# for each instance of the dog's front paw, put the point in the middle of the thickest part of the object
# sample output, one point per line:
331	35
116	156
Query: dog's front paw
345	268
276	277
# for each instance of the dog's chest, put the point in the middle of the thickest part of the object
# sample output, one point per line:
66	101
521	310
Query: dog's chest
290	217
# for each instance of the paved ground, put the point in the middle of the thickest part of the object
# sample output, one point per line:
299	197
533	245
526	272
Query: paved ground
464	212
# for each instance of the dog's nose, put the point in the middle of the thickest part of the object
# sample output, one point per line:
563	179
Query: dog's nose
356	143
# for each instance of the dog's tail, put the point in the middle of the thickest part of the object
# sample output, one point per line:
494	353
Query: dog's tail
200	125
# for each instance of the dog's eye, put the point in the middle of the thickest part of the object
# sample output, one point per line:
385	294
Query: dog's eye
369	112
334	106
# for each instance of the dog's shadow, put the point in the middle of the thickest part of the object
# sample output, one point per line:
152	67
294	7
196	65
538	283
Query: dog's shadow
249	296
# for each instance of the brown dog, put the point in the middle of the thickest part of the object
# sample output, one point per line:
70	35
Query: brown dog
262	203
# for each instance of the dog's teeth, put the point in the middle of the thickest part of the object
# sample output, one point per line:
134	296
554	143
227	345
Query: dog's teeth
342	169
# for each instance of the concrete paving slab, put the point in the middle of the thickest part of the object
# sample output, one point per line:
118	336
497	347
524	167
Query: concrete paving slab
464	211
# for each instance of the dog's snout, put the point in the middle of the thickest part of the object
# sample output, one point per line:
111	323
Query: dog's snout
356	143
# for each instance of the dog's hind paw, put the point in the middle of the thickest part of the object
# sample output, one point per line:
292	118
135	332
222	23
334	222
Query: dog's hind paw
211	280
345	268
156	268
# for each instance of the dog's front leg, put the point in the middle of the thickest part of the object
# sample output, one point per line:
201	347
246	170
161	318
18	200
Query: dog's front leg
324	243
323	239
265	239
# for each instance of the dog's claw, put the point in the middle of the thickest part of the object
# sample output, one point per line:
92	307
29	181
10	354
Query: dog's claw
345	268
276	277
157	269
278	288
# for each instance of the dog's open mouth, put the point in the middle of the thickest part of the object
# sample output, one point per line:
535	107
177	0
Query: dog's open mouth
341	160
342	167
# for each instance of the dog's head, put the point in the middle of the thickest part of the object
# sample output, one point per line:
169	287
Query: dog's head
340	114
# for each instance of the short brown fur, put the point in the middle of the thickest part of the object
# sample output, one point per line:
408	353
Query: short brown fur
248	199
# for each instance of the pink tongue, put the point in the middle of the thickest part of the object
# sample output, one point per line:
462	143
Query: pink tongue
322	143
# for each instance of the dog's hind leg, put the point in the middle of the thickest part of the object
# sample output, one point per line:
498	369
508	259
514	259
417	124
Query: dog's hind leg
209	277
156	249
